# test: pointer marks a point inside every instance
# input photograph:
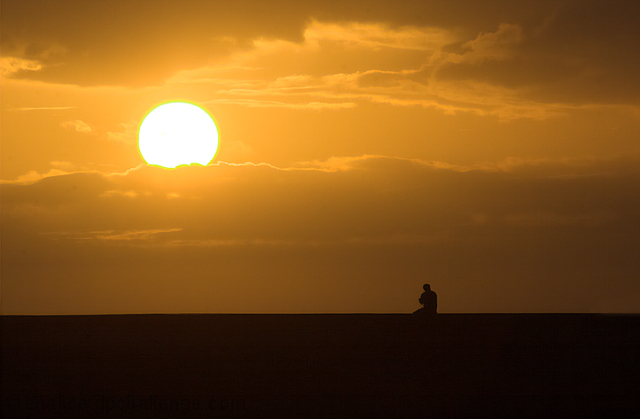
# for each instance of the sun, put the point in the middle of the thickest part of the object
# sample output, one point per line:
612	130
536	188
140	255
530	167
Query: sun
178	133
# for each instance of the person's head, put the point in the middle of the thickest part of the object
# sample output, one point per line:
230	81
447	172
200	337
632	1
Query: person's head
426	287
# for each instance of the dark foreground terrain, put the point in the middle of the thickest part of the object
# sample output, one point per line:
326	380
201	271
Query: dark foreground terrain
306	366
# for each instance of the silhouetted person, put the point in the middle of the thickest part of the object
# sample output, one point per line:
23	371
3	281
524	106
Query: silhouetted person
429	301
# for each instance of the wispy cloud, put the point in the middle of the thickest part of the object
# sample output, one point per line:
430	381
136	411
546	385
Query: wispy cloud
77	125
43	108
377	36
128	133
498	45
115	235
115	192
63	165
33	176
426	67
11	65
393	239
551	167
63	169
252	103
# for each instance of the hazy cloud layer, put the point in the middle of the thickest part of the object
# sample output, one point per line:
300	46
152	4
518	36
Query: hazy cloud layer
583	52
540	236
87	43
529	60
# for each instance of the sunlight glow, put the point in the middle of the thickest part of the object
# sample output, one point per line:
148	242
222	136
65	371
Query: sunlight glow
178	133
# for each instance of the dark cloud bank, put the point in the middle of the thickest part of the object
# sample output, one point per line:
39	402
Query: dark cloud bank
565	51
540	236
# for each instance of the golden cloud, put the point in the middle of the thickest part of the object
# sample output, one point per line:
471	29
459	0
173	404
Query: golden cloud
376	36
77	125
12	65
344	222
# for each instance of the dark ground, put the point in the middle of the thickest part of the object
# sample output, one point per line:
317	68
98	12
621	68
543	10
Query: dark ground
369	365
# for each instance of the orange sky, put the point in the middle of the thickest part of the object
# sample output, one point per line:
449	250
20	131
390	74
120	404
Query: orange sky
491	149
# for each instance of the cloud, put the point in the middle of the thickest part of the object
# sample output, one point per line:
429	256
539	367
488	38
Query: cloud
60	169
116	192
143	50
275	104
112	235
497	45
365	181
43	108
33	176
238	147
533	231
376	36
277	73
77	125
532	61
571	53
63	165
582	53
128	133
12	65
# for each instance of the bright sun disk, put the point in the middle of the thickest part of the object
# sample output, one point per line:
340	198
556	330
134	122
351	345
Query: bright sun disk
178	133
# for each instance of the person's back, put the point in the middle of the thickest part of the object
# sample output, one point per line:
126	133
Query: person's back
429	300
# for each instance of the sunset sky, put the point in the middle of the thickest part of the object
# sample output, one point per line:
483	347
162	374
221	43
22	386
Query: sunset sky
489	148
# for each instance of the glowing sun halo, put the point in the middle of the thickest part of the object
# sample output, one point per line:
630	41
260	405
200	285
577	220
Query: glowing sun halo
178	133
